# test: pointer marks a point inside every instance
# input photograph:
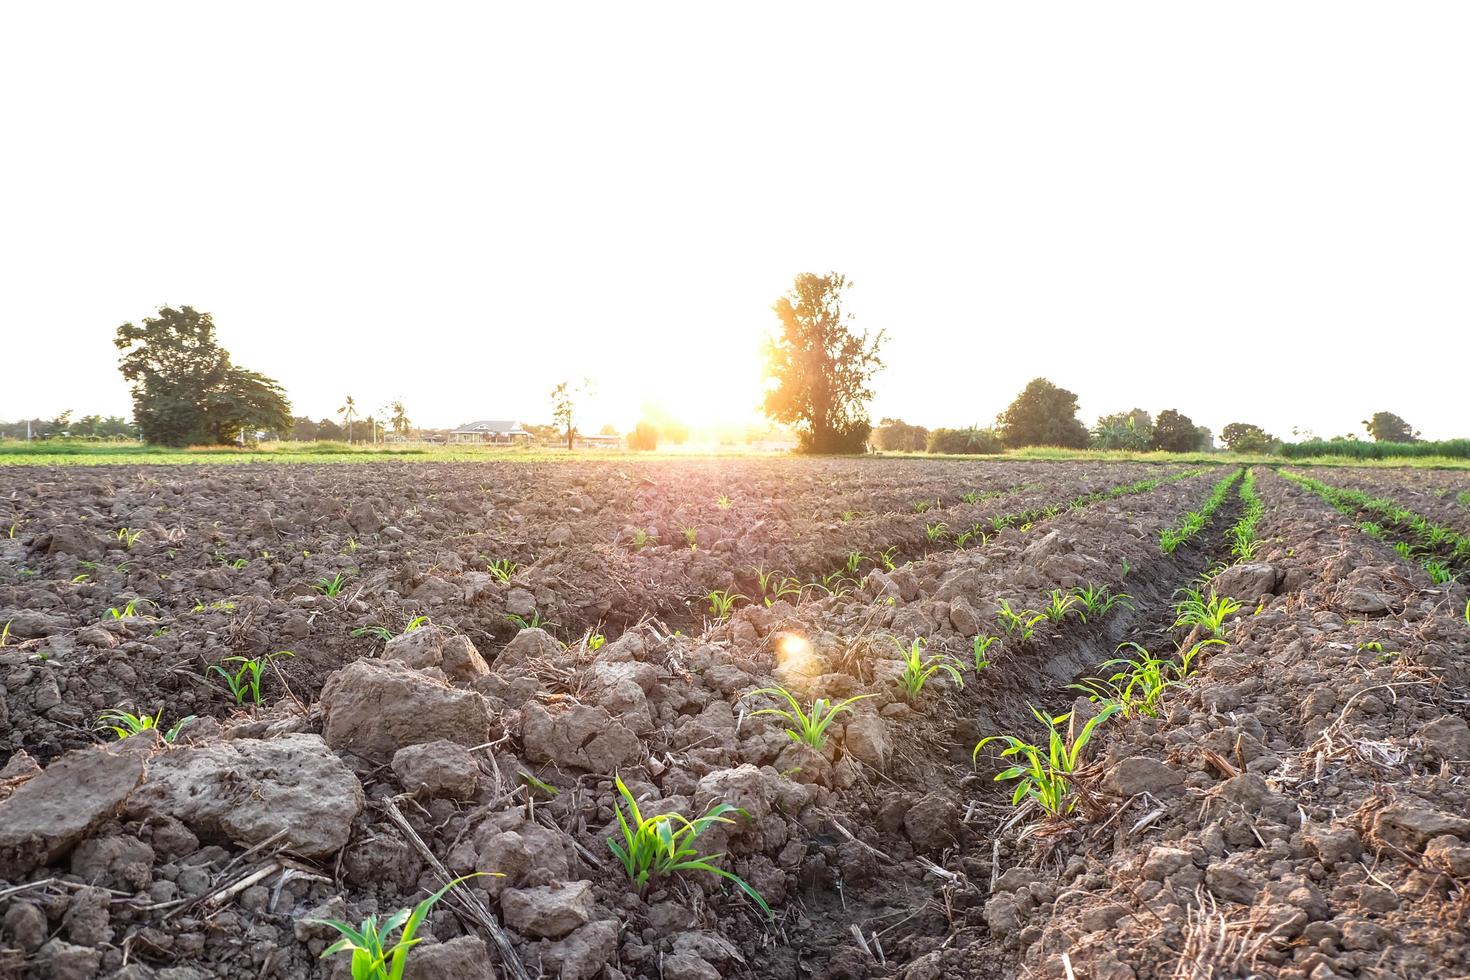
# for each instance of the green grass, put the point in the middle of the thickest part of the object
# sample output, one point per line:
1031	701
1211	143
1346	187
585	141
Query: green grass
76	452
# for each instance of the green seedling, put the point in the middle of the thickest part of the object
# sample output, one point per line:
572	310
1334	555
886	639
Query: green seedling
80	579
920	506
128	537
1098	600
243	680
848	515
640	539
1439	571
5	631
352	545
665	844
1138	688
1209	614
129	610
595	642
331	587
855	560
1060	602
521	623
723	502
125	724
917	669
1023	623
936	531
971	498
982	645
375	954
1045	775
886	557
722	603
502	569
691	535
381	632
808	727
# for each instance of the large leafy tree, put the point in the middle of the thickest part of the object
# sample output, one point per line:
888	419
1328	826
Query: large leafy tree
1175	432
1244	437
1043	415
1388	427
822	367
186	390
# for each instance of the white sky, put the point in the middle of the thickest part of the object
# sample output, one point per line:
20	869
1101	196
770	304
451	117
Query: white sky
1252	211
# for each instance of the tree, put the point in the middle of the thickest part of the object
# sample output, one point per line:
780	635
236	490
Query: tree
1243	437
243	403
186	390
897	436
562	406
399	418
1388	427
1042	415
1124	430
348	411
1174	432
822	367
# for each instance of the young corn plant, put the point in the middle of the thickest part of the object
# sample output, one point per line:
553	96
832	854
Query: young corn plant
936	532
886	557
243	680
722	502
722	603
502	569
1045	774
665	844
5	633
128	537
1060	602
1439	571
640	539
125	724
1207	613
376	955
1097	601
522	623
331	587
1243	541
982	645
1137	688
1021	623
1195	521
918	669
855	561
691	535
809	727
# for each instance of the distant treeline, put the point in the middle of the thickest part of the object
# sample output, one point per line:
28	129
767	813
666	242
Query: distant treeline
1360	449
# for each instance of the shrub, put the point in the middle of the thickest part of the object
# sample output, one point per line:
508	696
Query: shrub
644	437
973	441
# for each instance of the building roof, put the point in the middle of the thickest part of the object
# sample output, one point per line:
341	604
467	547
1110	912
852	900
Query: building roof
494	427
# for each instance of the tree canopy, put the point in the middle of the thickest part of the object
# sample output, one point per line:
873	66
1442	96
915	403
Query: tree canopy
1175	432
822	367
1243	437
1388	427
1042	415
185	389
897	436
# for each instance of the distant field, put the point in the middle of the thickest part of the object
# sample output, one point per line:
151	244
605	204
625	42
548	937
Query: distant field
67	453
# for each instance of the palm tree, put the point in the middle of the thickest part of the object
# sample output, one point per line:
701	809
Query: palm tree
399	419
348	413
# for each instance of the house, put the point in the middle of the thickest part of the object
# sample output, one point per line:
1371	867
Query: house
493	431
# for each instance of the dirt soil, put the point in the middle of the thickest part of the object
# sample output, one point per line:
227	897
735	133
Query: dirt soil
1299	807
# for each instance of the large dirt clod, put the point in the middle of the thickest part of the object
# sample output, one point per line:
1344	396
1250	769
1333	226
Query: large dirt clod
249	789
375	708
